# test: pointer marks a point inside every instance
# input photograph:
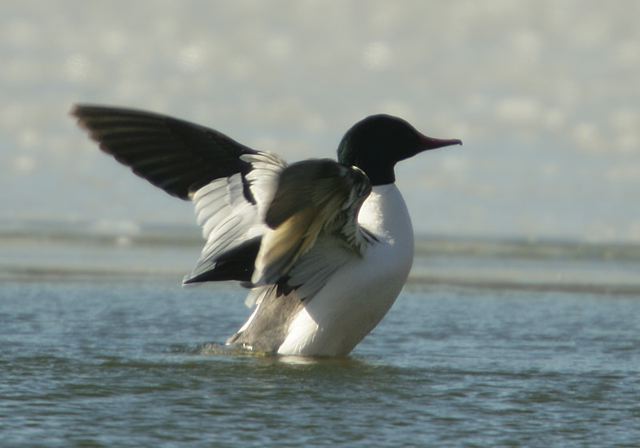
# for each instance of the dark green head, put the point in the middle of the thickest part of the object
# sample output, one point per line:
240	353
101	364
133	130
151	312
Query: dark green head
378	142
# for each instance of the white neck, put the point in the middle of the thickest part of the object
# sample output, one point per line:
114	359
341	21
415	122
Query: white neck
384	214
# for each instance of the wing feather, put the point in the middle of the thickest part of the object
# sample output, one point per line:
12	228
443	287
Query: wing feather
315	200
199	154
230	184
287	229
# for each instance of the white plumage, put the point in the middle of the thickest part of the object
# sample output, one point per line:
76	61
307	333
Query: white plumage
354	300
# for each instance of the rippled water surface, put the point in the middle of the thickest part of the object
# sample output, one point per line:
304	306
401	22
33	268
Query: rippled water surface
128	363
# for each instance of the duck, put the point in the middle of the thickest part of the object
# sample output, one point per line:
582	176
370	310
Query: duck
324	246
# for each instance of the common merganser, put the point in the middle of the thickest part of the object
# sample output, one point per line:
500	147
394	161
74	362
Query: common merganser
325	247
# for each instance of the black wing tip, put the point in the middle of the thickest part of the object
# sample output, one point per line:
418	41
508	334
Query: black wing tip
215	276
84	111
190	281
235	264
81	112
87	109
88	113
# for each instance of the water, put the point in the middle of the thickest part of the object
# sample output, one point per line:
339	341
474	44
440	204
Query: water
115	360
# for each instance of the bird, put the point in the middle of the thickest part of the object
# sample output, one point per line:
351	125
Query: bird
324	246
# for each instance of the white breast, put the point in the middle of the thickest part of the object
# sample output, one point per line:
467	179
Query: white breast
358	296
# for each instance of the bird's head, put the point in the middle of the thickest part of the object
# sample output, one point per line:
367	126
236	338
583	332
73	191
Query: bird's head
378	142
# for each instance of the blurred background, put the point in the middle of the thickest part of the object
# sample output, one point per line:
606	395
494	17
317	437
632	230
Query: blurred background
544	94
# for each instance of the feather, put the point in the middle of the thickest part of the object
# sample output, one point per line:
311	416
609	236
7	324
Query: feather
314	199
230	184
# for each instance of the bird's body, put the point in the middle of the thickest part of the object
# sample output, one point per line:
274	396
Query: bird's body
324	246
355	298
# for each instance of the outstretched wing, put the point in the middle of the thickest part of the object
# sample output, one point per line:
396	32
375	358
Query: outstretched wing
175	155
229	183
312	226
